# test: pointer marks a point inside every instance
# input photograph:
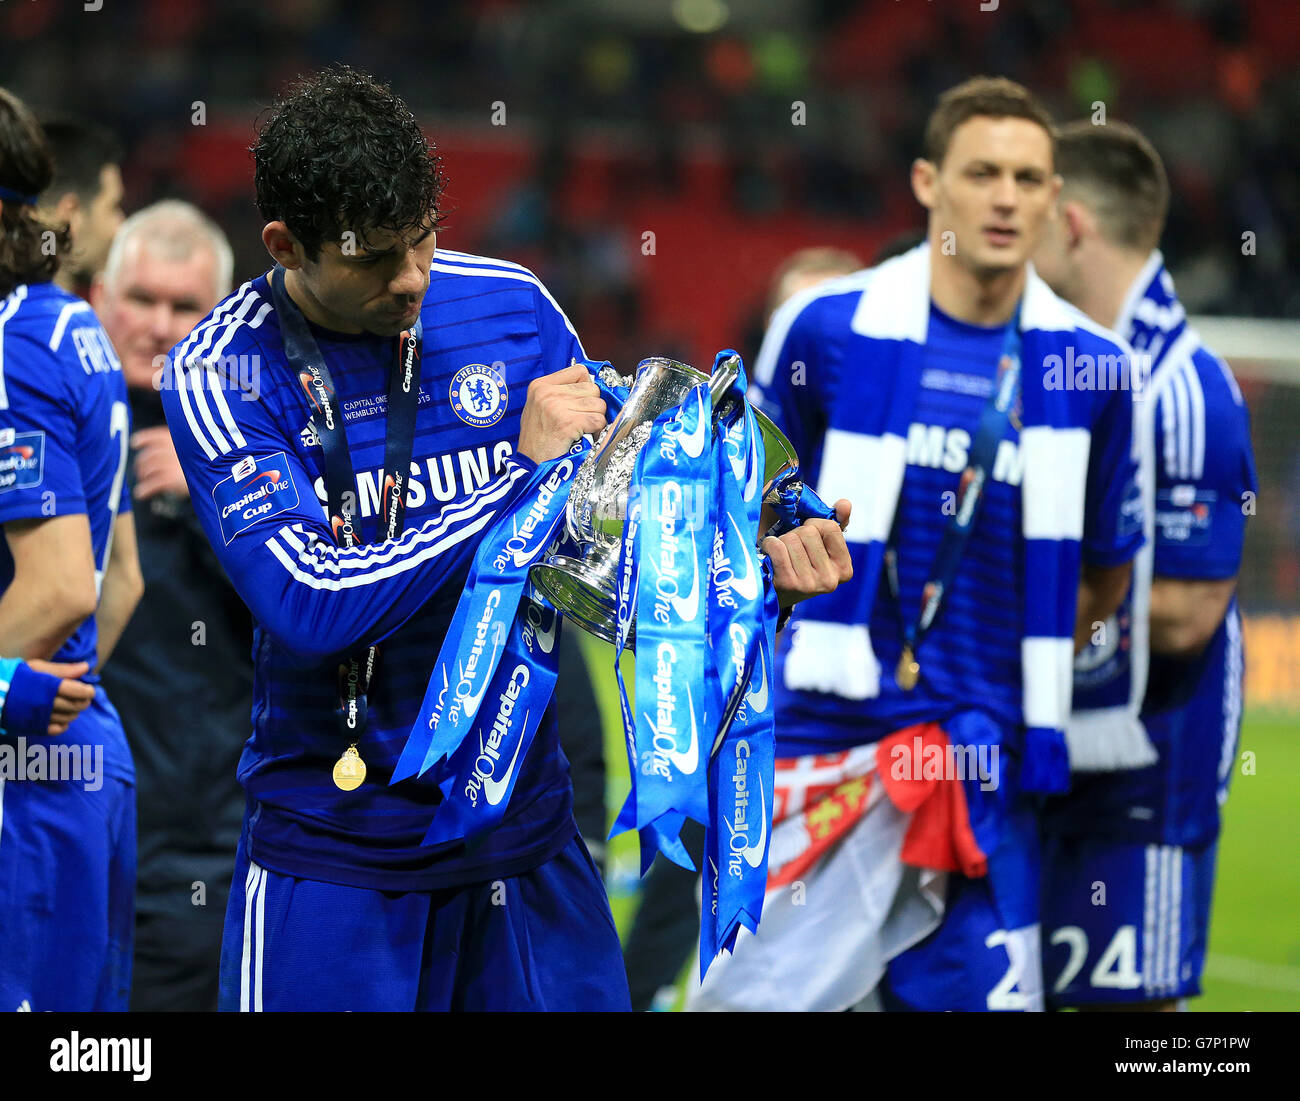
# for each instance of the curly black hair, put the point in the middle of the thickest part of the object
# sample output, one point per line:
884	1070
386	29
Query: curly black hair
339	151
26	167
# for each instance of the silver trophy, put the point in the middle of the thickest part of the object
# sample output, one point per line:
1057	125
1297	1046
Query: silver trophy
583	589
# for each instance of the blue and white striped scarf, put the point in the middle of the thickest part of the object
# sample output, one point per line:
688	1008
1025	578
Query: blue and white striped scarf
865	454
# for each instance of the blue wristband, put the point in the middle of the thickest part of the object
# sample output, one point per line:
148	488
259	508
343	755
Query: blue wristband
7	669
26	698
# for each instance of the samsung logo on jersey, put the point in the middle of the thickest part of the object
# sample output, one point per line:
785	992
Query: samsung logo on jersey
441	477
949	449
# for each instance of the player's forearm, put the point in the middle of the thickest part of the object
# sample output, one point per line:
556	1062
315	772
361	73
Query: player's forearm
318	602
1185	613
35	624
121	593
312	625
121	589
1101	590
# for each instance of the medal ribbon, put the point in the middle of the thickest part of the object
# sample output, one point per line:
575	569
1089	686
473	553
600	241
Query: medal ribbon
340	479
994	419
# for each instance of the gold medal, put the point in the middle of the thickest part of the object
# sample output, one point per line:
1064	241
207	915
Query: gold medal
908	671
349	770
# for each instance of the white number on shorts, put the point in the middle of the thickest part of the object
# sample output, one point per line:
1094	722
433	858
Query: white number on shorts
1019	988
1117	968
1077	939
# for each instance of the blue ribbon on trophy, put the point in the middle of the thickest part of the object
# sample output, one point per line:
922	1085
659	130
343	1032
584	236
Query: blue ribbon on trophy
743	614
675	535
486	617
705	616
480	775
661	834
647	539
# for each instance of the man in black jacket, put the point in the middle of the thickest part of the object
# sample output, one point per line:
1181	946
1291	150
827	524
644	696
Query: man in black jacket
182	674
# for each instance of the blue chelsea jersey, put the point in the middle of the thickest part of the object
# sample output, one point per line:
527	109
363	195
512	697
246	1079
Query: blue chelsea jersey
1205	489
1205	484
245	430
972	657
64	428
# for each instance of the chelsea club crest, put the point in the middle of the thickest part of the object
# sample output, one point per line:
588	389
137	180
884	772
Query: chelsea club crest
479	395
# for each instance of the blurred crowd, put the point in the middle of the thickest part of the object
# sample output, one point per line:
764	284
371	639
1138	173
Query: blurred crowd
649	90
623	139
655	162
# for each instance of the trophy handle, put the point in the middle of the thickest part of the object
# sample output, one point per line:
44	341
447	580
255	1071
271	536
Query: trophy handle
584	588
721	379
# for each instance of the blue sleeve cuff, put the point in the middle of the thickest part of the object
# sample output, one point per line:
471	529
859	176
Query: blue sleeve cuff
28	701
8	666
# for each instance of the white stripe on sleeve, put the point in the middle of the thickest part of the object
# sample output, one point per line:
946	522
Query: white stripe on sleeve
1169	429
193	345
311	547
198	374
1197	395
319	564
180	378
218	318
65	314
1183	404
317	581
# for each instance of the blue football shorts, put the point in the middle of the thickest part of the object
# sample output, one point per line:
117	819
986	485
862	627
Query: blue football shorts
985	954
67	874
542	940
1124	922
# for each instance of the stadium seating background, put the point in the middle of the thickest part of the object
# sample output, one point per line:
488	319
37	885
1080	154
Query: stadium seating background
789	123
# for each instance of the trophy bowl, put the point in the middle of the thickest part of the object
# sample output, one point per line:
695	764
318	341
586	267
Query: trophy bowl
583	588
